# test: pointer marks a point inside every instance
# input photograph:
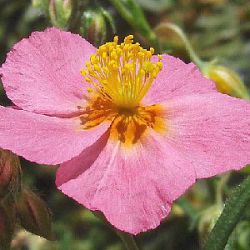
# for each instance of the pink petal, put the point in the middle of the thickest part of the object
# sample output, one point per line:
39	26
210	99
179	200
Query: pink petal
44	139
177	79
212	130
75	167
42	72
134	189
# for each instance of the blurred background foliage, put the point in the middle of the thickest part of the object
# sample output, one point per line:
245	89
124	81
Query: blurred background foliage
216	29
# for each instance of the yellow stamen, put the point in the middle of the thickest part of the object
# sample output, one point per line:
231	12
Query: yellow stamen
122	73
120	76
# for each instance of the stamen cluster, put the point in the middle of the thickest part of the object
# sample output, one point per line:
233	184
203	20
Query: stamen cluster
123	73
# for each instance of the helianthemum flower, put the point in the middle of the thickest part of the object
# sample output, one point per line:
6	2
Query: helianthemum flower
132	131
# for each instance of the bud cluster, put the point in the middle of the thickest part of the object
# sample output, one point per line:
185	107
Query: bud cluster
19	204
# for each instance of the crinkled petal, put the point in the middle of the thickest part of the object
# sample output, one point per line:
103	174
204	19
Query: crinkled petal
42	72
44	139
134	188
213	130
177	79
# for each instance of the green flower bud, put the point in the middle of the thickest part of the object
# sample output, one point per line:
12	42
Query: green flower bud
60	12
94	25
172	37
227	81
170	34
34	215
10	174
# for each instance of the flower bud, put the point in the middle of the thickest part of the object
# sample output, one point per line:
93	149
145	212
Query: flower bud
10	174
60	12
171	34
227	81
94	25
172	37
7	226
33	214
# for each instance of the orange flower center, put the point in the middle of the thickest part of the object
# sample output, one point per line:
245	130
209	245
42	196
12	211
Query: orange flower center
120	76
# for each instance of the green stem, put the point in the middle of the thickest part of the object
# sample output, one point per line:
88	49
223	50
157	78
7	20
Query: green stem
192	54
220	188
126	14
134	15
229	218
128	240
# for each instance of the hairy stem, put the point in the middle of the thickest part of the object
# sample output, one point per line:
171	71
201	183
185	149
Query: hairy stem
128	240
234	208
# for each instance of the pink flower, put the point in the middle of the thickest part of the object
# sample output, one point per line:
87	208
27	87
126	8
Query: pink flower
131	137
